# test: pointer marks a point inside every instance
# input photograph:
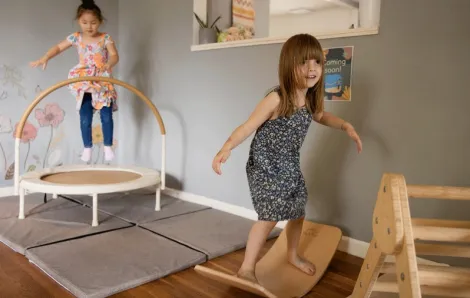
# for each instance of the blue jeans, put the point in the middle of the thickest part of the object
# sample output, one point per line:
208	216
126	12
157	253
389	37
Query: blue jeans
86	119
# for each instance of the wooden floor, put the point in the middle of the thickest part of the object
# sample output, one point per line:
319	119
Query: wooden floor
19	278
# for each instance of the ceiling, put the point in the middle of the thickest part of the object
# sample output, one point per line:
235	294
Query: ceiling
285	6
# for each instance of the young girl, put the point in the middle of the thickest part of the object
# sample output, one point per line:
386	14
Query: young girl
281	121
97	57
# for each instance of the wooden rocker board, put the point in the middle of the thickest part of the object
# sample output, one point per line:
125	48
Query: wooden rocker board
276	276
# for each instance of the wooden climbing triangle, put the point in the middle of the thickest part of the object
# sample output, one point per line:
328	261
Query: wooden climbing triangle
397	234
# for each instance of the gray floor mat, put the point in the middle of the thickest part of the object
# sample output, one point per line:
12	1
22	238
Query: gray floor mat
105	264
139	208
211	231
9	206
48	223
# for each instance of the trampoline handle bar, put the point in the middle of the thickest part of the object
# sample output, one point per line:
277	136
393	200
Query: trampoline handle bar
43	94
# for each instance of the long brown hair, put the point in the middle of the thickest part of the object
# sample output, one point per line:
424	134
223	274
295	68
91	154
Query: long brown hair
295	51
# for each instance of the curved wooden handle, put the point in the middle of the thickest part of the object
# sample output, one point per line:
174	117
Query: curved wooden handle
49	90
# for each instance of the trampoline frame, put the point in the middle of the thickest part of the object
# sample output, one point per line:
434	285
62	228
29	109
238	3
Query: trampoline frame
31	181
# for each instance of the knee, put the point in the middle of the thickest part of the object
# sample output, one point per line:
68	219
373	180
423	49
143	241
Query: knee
85	121
106	116
267	224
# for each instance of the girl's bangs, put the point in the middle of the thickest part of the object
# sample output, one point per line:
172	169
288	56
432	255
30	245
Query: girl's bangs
311	50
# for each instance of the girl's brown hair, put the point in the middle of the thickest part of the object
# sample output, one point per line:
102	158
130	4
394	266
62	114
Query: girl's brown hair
89	5
296	51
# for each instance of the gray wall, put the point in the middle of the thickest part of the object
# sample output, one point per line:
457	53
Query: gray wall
28	29
407	104
222	8
262	18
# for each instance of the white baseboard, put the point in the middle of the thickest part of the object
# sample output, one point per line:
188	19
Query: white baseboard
6	191
348	245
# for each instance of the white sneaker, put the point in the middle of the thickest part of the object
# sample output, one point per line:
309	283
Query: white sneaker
86	155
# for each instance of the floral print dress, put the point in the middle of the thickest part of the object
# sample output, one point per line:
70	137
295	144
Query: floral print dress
275	179
92	58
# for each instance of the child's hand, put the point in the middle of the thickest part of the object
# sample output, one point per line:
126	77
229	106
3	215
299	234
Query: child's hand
107	68
353	135
220	158
42	61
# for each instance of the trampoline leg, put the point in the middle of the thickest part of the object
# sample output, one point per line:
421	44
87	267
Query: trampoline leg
95	210
21	213
157	199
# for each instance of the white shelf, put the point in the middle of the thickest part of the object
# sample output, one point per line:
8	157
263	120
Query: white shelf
272	40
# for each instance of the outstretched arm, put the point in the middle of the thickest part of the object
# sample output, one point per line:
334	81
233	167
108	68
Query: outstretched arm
330	120
263	111
51	53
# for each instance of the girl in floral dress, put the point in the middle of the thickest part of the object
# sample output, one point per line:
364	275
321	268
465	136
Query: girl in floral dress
280	123
97	56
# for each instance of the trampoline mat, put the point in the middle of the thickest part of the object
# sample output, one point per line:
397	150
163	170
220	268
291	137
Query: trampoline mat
91	177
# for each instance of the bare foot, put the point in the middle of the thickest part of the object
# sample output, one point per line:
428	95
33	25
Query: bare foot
303	265
247	275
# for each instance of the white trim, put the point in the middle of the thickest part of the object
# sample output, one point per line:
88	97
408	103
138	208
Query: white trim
273	40
348	245
7	191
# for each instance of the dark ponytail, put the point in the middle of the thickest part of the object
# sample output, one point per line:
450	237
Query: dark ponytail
89	5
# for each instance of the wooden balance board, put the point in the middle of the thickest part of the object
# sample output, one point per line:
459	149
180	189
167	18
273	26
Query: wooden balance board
279	279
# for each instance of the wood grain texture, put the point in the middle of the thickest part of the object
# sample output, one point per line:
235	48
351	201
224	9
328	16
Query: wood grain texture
19	278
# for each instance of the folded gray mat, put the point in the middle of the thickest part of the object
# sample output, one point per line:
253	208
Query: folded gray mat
210	231
139	208
105	264
54	221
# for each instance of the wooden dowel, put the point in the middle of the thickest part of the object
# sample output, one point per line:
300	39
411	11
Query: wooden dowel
441	230
446	250
444	272
438	192
428	284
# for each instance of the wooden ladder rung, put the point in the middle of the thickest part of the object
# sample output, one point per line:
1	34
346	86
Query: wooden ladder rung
391	286
438	192
441	230
431	274
434	280
447	250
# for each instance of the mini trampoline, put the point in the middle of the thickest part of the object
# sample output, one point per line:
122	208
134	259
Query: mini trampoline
87	179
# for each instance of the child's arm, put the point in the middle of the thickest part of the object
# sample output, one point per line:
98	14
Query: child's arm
330	120
51	53
263	111
113	56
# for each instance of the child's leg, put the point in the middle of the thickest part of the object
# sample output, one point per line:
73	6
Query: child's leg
107	124
256	239
86	119
293	232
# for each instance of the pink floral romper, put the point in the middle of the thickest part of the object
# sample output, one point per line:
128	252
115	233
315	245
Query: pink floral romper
92	58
